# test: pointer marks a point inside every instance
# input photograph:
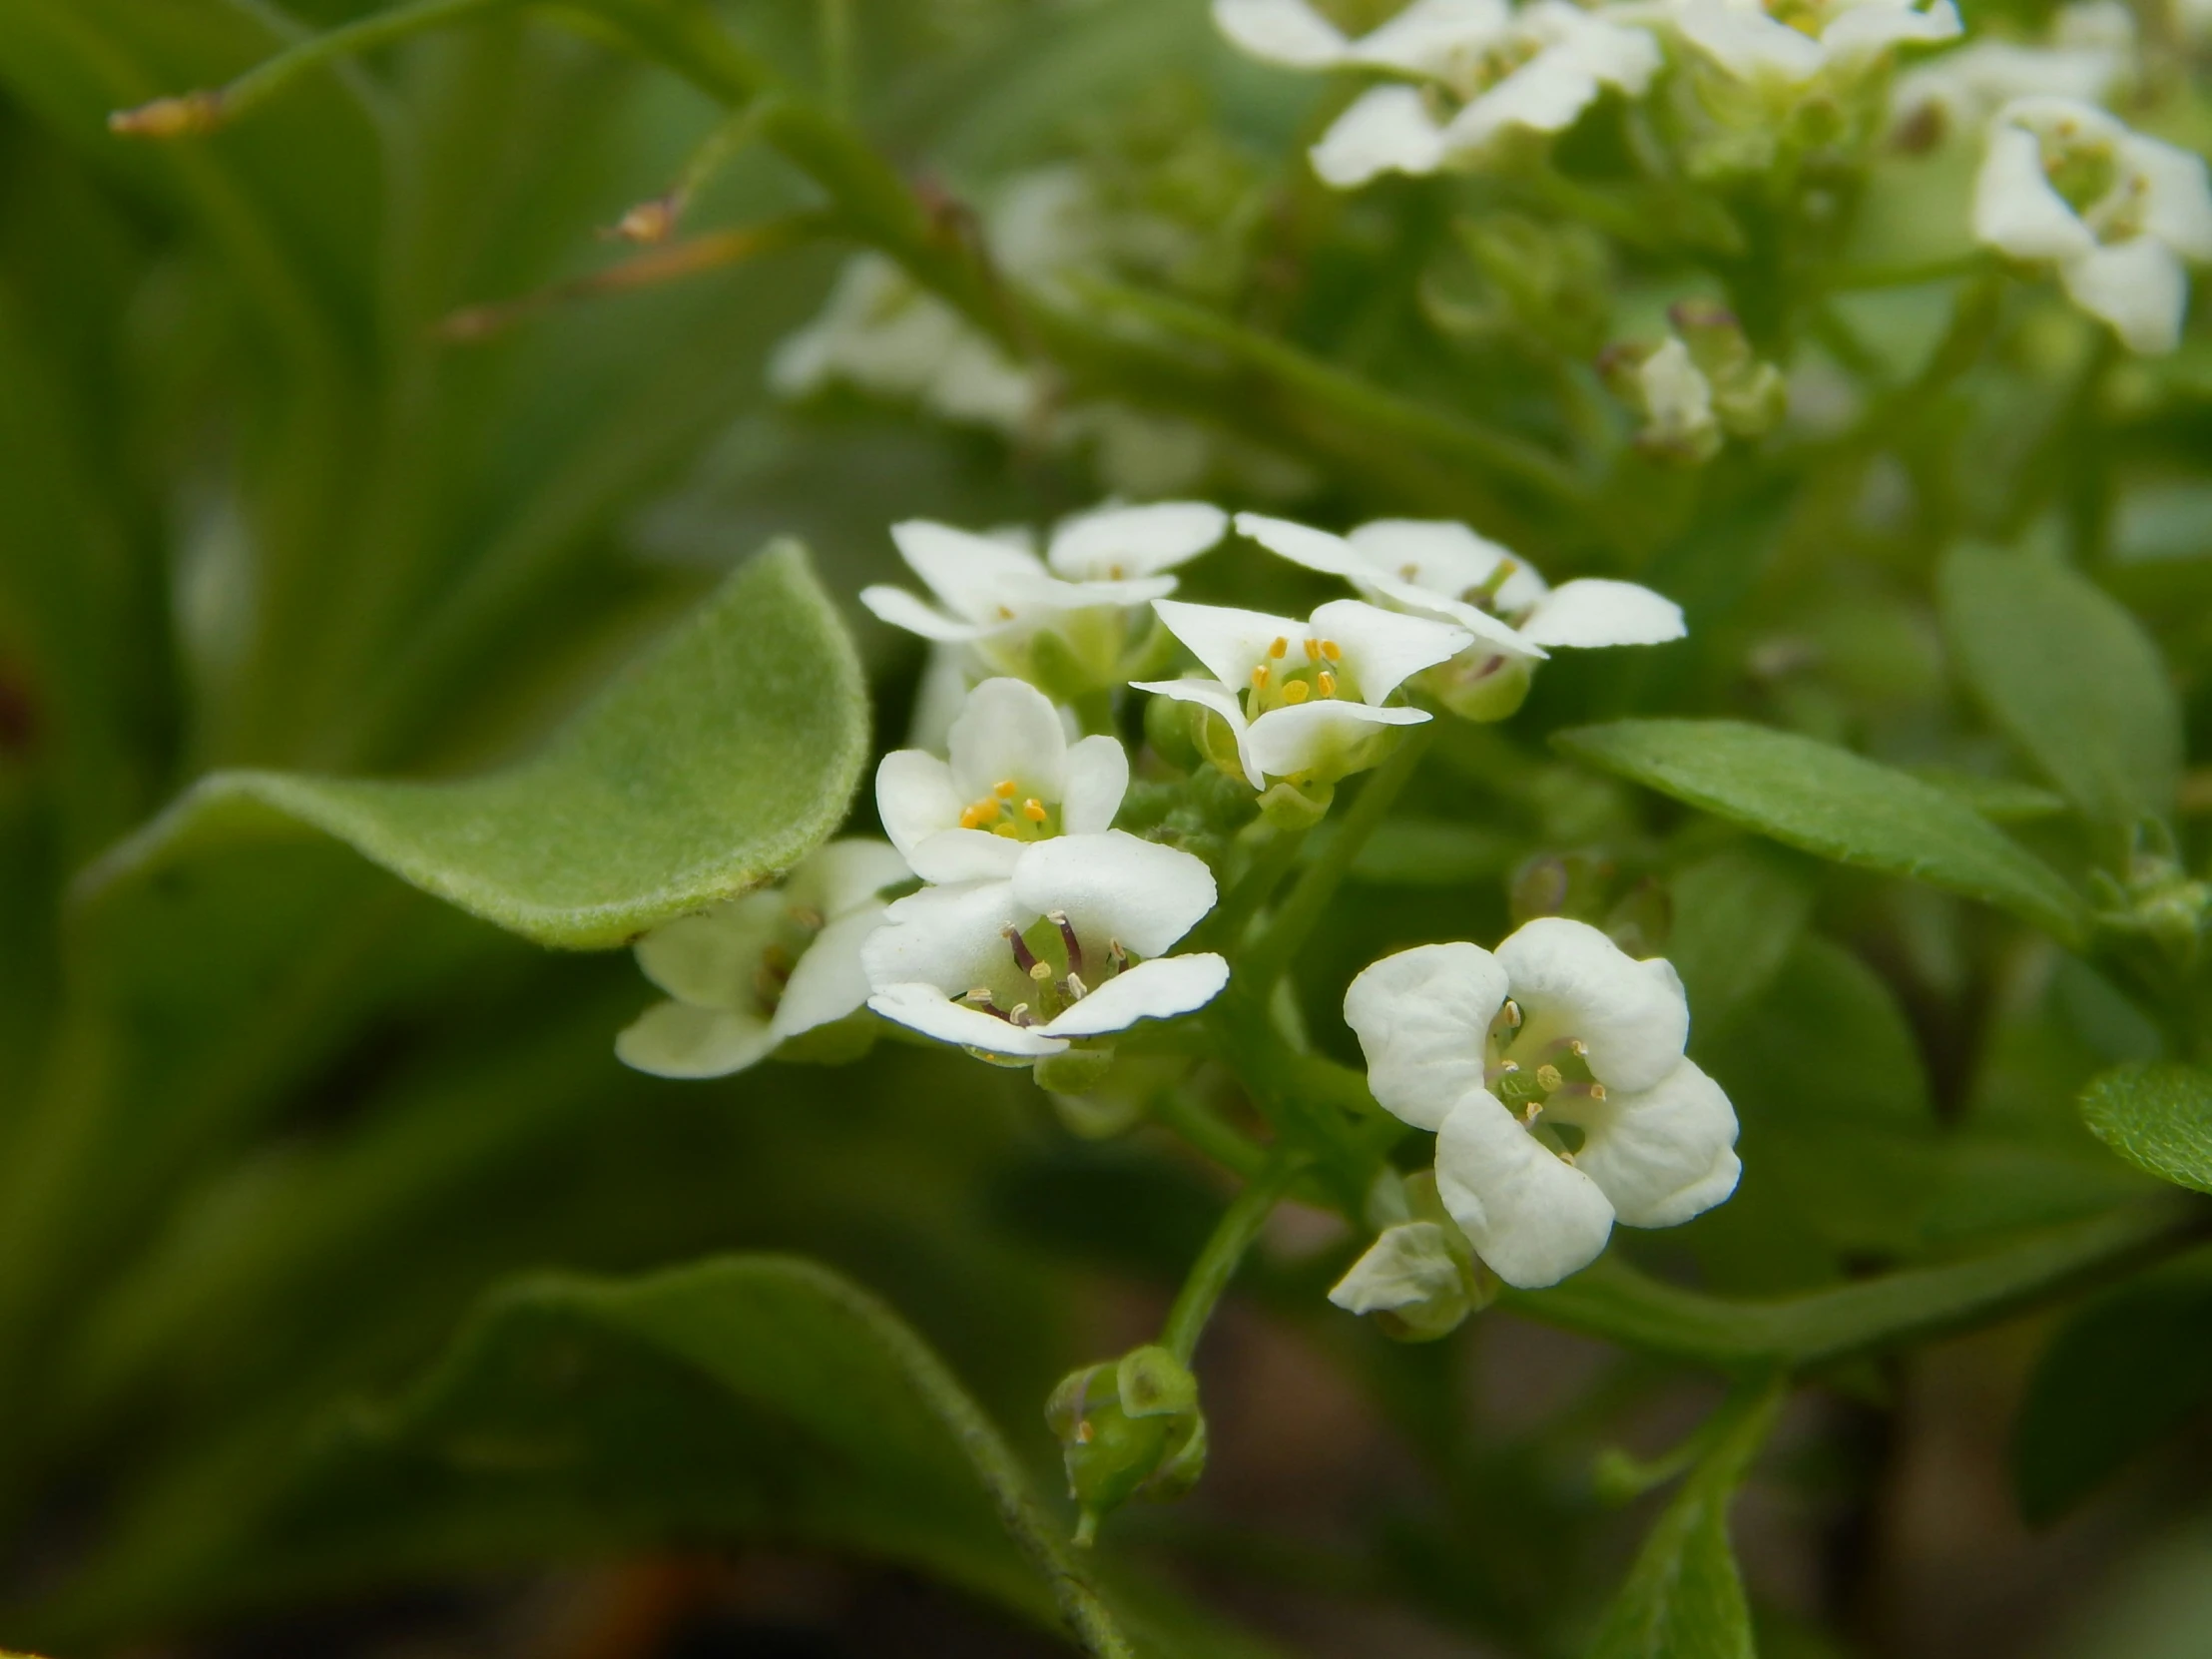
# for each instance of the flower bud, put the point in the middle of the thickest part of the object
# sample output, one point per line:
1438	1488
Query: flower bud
1289	806
1128	1430
1749	397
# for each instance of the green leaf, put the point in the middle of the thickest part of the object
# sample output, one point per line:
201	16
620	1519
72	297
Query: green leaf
2157	1117
1832	802
2070	676
1684	1598
2118	1377
740	1398
716	762
1737	915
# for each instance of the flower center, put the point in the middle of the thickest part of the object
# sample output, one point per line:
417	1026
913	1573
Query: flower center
2087	175
1051	972
1007	811
1288	676
1541	1079
796	931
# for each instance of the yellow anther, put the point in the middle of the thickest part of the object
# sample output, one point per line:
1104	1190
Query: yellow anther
1114	573
1280	646
1033	809
975	817
1295	692
1333	651
1313	651
1548	1078
1597	1091
1325	683
1003	789
1410	573
1259	678
1005	614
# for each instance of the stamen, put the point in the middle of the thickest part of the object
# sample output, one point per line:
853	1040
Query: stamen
1327	683
1033	809
975	817
1578	1048
1279	647
1021	1015
808	917
1295	692
1024	957
1597	1091
1259	678
980	997
1313	651
1012	831
1512	1015
1074	986
1116	954
1003	789
1548	1078
1534	1111
1041	973
1059	919
1333	651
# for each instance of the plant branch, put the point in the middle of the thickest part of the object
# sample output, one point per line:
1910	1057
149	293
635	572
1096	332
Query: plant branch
1218	1262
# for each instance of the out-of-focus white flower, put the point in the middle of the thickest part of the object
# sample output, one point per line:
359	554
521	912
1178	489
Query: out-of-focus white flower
1445	572
1553	1075
997	597
1782	46
752	972
1012	779
1071	946
1536	68
2117	212
1304	700
1677	401
2091	54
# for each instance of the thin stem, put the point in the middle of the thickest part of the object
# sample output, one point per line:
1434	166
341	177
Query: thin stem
1217	1264
1251	890
1203	1128
1266	960
1905	276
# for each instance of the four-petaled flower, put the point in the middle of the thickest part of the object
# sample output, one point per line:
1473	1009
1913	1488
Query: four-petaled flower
1552	1072
752	972
2117	212
1072	946
1000	600
1445	572
1012	779
1536	68
1304	700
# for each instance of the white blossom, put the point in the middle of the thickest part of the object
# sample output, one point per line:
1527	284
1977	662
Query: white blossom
1011	779
2091	54
1304	700
1072	946
1536	68
2117	214
995	596
1445	572
1781	47
1552	1073
752	972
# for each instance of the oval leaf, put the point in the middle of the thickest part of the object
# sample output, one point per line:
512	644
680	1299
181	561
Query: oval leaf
719	760
2070	676
1831	801
2157	1117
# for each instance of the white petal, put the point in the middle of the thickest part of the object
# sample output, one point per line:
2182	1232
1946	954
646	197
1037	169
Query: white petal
2015	209
1116	886
1677	396
1440	40
2179	209
1595	610
709	959
1382	649
1493	635
1406	1266
1009	731
1571	980
1544	95
915	797
843	875
1286	32
1625	58
1230	642
1750	45
925	1009
1097	778
673	1039
1211	693
1387	130
1531	1216
1115	543
1423	1017
1436	554
1159	989
1312	737
902	610
2139	287
949	937
955	856
1864	32
976	576
1663	1155
1302	544
829	979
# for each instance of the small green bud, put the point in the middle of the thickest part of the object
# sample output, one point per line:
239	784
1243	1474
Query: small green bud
1128	1430
1075	1071
1479	685
1167	728
1289	806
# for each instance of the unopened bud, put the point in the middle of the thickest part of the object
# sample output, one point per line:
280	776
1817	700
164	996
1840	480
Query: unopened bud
185	116
1128	1430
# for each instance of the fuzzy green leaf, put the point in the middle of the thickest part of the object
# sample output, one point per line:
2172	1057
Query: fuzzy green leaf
2070	676
2157	1117
1832	802
719	760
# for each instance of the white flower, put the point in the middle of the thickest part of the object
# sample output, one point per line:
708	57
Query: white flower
1012	779
997	596
1073	945
1304	700
2118	214
2092	53
1537	68
753	972
1553	1075
1782	45
1677	401
1444	571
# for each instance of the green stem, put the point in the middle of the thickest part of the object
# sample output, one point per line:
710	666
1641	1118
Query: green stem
1266	960
1270	864
1202	1126
1217	1264
1909	274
